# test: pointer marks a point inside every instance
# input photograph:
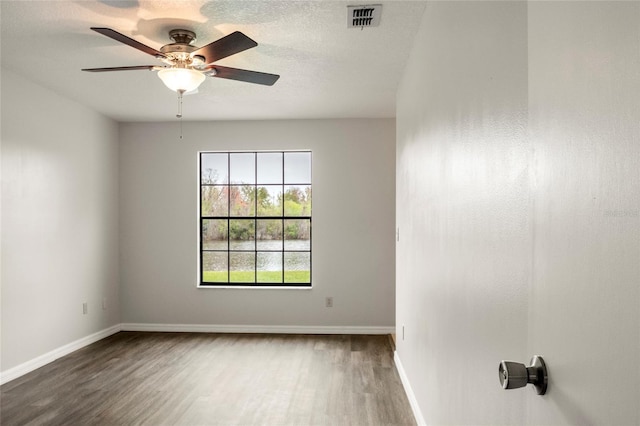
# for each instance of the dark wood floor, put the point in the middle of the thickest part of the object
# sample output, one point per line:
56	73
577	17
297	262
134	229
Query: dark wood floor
214	379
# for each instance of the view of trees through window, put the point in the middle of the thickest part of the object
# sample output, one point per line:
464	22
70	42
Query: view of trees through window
255	218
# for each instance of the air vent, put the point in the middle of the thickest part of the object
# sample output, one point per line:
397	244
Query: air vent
363	16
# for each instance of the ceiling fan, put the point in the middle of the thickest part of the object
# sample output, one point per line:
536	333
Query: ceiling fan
187	66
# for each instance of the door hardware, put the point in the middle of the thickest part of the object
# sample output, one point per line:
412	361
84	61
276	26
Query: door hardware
514	375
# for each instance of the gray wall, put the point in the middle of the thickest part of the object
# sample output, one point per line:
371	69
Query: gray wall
59	221
353	224
518	205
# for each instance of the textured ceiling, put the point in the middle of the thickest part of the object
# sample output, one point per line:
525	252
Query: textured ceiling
327	70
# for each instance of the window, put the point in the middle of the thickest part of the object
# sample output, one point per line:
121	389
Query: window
255	219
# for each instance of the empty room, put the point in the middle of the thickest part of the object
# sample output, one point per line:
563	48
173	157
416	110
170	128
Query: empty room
320	212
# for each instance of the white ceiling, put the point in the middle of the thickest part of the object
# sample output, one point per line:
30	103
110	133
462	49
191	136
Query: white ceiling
326	69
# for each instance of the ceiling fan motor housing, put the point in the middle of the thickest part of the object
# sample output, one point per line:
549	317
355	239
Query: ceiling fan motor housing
182	36
180	51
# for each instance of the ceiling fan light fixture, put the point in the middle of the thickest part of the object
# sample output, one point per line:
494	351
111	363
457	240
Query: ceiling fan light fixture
181	79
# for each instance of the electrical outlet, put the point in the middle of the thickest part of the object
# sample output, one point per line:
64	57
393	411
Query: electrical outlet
329	302
85	308
104	303
398	234
403	332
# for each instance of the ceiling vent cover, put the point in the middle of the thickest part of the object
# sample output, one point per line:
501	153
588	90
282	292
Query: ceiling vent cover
363	16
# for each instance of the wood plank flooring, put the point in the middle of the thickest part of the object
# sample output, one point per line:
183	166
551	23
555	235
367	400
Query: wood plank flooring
134	378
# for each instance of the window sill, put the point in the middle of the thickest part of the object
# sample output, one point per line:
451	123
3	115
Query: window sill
254	287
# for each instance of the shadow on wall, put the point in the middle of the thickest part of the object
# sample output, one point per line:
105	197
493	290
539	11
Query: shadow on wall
569	408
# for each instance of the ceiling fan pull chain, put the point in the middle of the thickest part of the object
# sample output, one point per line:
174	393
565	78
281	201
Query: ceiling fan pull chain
179	114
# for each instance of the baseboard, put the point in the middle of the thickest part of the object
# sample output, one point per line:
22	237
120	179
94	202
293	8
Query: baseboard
29	366
260	329
408	390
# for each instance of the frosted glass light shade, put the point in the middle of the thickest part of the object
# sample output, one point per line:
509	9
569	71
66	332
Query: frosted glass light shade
181	79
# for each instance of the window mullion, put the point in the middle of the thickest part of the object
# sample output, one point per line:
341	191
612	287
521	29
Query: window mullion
228	216
255	220
283	230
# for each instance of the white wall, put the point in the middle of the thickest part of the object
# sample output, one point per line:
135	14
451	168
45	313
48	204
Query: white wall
463	264
518	201
584	126
59	221
353	224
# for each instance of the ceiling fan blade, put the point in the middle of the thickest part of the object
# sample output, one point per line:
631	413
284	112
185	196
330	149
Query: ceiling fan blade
129	41
244	75
226	46
137	67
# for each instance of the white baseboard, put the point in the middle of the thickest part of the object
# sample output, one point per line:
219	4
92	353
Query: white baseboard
29	366
260	329
408	390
